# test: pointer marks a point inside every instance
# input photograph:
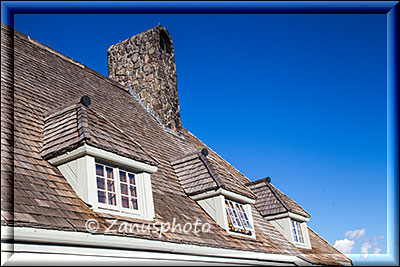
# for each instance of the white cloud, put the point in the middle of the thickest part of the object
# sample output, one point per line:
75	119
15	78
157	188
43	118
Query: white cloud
364	249
372	243
356	240
344	245
356	234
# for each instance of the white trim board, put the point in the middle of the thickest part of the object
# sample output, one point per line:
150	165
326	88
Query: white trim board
289	214
104	155
228	194
32	240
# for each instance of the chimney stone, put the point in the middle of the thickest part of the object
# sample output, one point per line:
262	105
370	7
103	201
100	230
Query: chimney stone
145	63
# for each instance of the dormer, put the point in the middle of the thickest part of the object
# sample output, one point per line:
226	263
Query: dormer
106	168
228	204
283	213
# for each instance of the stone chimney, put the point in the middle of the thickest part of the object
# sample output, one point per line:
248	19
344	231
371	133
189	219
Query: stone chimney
145	64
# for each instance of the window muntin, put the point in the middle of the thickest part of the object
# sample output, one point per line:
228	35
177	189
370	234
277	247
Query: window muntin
297	233
117	189
129	198
244	218
105	185
238	219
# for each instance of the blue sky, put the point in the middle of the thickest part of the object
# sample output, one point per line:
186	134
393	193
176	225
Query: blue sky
299	98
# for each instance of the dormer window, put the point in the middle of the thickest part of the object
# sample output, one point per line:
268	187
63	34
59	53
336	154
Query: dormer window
117	189
109	183
287	216
238	220
109	177
202	180
297	232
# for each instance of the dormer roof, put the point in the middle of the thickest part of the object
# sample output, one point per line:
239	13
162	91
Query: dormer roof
270	201
74	124
199	172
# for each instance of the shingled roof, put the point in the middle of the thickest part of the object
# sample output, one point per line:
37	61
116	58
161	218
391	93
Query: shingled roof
271	201
37	82
74	124
199	173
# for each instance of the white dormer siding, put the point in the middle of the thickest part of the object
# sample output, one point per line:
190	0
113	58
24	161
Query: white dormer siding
79	168
286	224
214	203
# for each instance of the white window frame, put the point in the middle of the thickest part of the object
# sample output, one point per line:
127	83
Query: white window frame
118	207
297	233
79	168
213	203
242	228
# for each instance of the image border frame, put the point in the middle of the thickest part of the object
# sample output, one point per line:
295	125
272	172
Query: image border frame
389	8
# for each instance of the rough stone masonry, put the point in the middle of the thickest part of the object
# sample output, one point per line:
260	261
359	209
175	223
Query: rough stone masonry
145	63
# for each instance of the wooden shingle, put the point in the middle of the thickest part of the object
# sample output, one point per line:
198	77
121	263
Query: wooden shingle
41	118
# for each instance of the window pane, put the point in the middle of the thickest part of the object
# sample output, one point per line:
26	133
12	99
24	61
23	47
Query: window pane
234	214
110	186
235	219
99	170
122	176
229	217
243	217
101	196
111	199
299	232
124	189
131	178
101	184
125	202
300	237
133	191
244	213
134	204
109	173
239	213
229	213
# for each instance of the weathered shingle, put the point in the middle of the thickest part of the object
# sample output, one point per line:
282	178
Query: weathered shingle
194	174
199	173
72	125
271	201
34	80
63	130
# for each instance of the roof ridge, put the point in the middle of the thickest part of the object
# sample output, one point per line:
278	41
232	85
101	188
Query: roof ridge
277	195
280	192
65	57
267	179
208	148
211	171
83	124
89	70
207	164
